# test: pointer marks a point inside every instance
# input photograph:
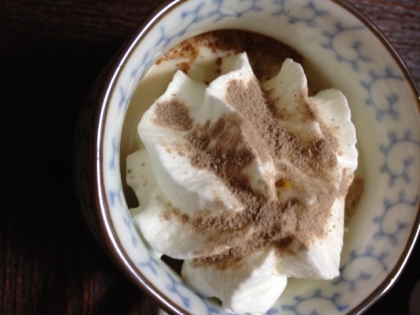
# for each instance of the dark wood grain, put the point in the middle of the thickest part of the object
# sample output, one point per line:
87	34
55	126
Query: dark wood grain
399	21
50	53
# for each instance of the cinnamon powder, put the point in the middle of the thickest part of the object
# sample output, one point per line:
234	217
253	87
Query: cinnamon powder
227	147
173	114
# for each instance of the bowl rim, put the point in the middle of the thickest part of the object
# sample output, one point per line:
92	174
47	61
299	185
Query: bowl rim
396	272
109	237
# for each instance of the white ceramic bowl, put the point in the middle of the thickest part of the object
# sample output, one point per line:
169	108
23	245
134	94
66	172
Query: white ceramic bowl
351	54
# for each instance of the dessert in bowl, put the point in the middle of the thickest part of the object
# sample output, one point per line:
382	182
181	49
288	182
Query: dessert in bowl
339	46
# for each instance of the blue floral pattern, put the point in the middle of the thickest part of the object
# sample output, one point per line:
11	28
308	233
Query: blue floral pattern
333	300
312	13
353	46
389	108
356	257
408	160
332	37
399	224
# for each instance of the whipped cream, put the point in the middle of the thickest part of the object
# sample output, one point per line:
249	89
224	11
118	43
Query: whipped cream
245	181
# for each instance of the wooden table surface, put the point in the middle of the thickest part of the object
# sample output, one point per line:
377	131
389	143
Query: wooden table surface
50	53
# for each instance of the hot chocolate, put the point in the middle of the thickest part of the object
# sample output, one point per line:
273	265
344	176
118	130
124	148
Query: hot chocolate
245	167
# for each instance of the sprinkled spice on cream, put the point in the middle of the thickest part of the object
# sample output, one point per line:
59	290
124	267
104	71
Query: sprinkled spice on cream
249	176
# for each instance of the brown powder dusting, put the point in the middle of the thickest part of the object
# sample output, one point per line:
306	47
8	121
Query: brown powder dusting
267	133
354	194
226	148
185	50
173	114
183	66
184	218
172	212
213	148
346	180
284	243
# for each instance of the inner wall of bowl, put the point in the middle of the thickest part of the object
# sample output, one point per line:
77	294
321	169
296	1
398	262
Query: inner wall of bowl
384	113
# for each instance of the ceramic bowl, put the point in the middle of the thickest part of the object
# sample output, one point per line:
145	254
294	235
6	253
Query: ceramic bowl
352	55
